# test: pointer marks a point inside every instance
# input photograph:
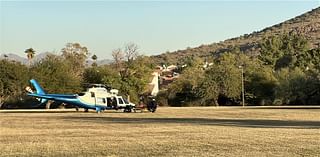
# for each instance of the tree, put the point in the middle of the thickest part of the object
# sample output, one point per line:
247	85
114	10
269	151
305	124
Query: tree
186	87
261	86
309	59
54	73
131	51
137	77
208	90
13	79
221	82
75	55
30	54
282	51
296	87
99	75
94	58
118	57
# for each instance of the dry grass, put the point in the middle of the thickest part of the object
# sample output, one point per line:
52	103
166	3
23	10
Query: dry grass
168	132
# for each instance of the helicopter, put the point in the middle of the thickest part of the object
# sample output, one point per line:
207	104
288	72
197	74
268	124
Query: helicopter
97	97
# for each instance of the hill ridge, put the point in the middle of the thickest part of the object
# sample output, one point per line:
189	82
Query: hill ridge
307	24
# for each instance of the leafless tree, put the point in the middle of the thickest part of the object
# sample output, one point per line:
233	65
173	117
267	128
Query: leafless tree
131	51
118	57
129	54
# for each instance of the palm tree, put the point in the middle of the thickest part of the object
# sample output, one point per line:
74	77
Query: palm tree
94	58
30	54
5	57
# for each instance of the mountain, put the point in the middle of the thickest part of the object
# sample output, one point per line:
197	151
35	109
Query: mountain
14	57
41	56
24	60
99	62
38	57
307	25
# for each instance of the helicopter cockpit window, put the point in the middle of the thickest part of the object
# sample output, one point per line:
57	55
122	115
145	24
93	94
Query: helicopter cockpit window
92	94
120	101
126	101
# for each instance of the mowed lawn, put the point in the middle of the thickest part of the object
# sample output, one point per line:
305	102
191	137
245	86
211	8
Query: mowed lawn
192	131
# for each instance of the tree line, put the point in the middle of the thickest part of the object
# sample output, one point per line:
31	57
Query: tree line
286	72
67	73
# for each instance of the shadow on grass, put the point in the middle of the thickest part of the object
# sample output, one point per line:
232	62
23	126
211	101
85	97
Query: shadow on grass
284	107
55	111
36	111
252	123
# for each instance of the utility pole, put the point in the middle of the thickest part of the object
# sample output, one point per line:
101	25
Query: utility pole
242	84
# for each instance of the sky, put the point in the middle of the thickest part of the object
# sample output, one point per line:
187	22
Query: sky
155	26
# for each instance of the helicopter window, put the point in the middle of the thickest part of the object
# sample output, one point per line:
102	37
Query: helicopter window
92	94
120	101
101	100
126	101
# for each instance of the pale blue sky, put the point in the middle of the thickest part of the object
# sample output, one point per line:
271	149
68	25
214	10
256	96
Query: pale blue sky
156	27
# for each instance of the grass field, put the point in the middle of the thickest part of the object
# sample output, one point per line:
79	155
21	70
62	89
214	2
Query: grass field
183	132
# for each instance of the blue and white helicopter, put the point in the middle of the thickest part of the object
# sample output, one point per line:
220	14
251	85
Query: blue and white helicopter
97	97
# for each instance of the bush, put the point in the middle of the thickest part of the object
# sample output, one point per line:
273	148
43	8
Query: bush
162	98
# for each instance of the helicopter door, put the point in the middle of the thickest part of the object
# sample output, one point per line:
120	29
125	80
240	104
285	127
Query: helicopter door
93	97
101	101
109	102
120	102
98	101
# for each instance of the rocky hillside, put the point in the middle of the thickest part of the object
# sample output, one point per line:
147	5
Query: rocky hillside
307	24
